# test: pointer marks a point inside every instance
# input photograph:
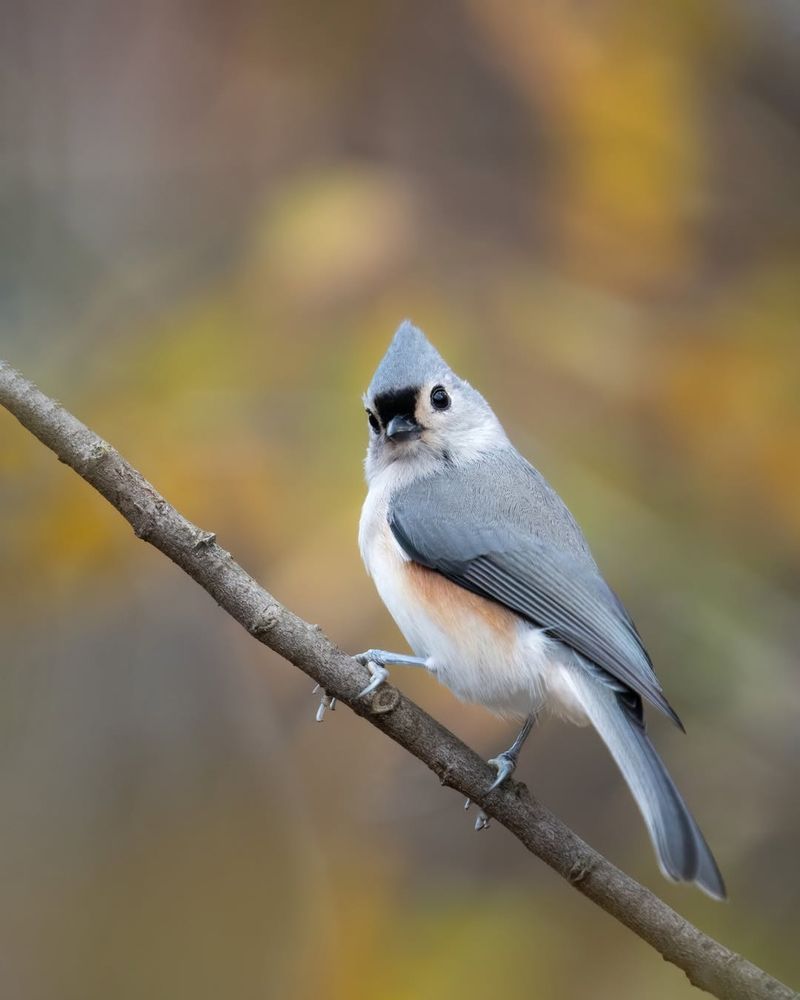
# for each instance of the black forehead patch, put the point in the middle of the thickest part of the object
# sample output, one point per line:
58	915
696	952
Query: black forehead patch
397	403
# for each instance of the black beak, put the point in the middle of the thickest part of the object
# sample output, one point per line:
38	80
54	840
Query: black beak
403	429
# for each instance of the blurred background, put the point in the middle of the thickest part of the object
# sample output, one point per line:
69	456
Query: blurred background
213	218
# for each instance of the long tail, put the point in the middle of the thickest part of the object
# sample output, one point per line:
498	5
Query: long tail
682	852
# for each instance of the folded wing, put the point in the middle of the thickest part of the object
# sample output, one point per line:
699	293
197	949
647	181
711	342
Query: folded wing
557	590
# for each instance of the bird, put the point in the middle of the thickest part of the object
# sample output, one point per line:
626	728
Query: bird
493	585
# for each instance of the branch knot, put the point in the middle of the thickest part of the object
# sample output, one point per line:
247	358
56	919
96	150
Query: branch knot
203	539
266	621
385	699
580	871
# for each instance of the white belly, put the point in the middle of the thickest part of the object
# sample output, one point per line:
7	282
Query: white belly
482	652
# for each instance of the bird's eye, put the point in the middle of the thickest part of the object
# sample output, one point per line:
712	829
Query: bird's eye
439	398
373	422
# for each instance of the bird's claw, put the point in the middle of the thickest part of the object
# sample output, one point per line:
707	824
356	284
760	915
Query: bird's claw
505	765
378	675
482	821
326	702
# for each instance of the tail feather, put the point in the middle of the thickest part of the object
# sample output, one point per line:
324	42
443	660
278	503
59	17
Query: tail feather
681	849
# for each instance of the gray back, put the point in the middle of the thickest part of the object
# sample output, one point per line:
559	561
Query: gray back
502	490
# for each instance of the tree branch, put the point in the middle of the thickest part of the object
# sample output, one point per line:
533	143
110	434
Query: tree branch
708	964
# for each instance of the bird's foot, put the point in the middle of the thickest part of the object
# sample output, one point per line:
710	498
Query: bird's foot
326	702
505	764
376	660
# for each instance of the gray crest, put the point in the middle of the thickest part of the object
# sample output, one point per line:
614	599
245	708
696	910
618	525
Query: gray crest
411	361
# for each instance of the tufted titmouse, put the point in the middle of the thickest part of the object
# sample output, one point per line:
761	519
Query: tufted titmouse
493	585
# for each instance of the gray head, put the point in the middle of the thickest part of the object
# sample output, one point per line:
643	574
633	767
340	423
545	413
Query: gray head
421	414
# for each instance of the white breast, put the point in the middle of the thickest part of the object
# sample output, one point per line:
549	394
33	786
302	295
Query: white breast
482	652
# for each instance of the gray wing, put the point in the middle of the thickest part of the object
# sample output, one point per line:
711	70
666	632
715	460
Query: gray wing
497	529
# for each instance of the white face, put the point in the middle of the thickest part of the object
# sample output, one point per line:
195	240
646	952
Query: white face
439	423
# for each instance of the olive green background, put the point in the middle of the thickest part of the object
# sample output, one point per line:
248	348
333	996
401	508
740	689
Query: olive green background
213	218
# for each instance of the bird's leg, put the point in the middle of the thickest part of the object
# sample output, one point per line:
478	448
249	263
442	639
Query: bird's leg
375	660
505	764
